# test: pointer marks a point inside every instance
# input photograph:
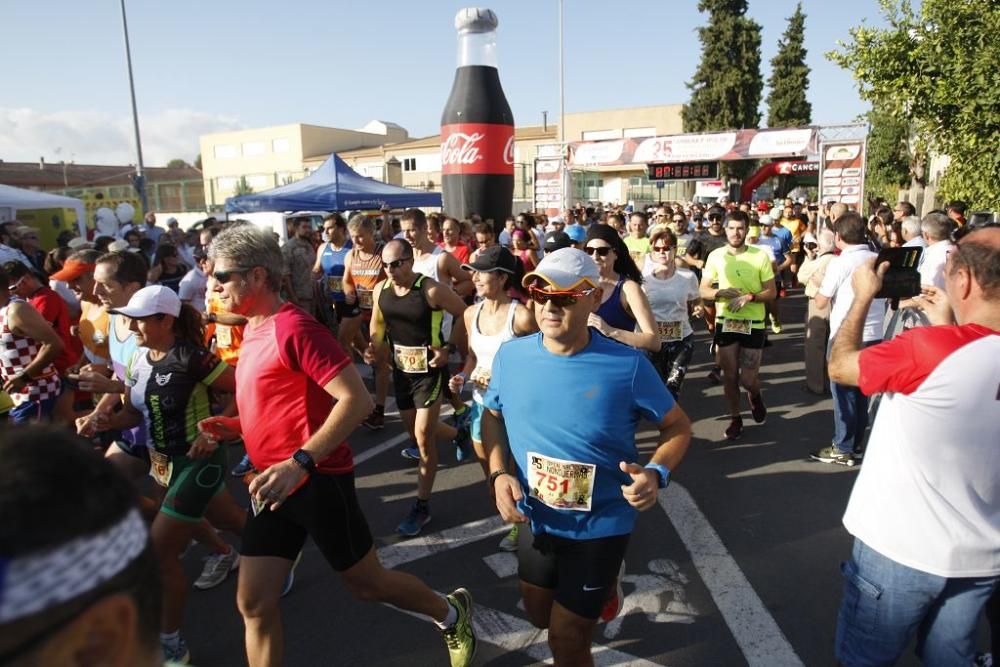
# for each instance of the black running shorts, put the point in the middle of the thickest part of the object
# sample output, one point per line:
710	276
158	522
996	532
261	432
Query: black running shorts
582	573
327	510
419	390
753	341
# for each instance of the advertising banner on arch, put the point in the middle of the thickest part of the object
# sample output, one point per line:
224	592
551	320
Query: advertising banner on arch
842	172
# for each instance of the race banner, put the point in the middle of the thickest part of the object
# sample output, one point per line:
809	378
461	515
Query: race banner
842	172
549	177
701	147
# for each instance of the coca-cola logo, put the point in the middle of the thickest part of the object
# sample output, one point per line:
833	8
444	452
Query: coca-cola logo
508	151
461	148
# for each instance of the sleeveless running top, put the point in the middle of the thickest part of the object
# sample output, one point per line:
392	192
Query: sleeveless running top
367	273
17	352
428	266
613	312
525	257
173	280
410	322
485	348
332	263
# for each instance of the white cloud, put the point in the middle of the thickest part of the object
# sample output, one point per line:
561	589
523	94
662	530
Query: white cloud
95	137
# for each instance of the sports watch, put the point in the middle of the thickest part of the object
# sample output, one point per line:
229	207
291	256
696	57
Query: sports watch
662	472
305	460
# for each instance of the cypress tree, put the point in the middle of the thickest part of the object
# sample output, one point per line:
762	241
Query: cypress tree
787	105
726	88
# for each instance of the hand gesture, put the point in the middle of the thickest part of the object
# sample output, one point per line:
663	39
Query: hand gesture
596	321
866	281
508	493
456	383
369	354
439	357
641	493
274	485
221	428
202	447
935	305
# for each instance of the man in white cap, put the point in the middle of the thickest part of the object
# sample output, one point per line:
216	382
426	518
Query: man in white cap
571	400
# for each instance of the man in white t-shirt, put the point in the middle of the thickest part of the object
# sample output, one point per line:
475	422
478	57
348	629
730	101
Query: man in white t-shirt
194	284
936	228
850	406
925	510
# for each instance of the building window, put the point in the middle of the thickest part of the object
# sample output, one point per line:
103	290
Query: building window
280	146
637	132
635	180
252	148
223	151
410	164
225	183
258	181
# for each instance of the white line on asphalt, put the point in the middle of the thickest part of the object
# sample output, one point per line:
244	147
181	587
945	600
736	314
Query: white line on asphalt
405	551
754	629
395	441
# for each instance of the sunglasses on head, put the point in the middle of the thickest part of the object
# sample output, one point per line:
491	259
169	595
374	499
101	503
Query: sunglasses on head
560	299
226	276
601	251
395	264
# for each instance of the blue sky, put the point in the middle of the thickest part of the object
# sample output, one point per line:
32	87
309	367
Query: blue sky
202	66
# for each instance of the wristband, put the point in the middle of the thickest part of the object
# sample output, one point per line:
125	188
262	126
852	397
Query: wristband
494	475
662	472
753	297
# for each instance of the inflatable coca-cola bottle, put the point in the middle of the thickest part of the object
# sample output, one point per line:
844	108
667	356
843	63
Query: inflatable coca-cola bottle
477	127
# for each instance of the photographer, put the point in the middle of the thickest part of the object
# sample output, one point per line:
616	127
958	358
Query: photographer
923	511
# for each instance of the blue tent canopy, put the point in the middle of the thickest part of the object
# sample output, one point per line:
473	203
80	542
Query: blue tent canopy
332	187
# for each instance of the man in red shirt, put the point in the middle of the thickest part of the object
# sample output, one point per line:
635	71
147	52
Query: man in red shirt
290	361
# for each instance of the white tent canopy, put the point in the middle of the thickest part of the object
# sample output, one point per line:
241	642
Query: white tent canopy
12	199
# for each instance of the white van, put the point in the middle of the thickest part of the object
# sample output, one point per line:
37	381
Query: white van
277	221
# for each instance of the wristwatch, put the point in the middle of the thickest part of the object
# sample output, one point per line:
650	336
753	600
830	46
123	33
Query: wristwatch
305	460
662	472
495	474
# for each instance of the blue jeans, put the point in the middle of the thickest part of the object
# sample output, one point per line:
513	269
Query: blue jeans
33	411
886	604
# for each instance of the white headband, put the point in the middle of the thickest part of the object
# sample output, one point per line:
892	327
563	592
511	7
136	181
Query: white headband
38	581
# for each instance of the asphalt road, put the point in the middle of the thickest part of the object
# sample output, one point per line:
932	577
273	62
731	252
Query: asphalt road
739	563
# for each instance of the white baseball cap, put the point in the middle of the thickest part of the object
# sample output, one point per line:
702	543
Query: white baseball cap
152	300
565	269
118	246
765	220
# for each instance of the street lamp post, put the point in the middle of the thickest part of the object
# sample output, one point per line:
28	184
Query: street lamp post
139	180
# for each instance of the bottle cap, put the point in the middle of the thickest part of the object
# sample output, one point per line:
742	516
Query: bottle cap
476	19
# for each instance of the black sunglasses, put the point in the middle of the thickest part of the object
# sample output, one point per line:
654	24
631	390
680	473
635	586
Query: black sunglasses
396	263
226	276
602	251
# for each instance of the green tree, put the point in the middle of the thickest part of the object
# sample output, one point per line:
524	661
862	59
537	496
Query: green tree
937	71
242	187
177	163
889	164
726	87
197	162
787	105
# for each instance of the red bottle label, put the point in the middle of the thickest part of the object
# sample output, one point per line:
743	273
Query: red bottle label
477	148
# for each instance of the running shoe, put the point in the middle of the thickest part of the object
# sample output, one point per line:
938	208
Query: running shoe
290	578
831	454
509	541
414	521
735	428
463	443
757	407
176	653
715	375
616	600
775	325
983	660
412	453
217	568
243	467
858	453
462	419
460	637
374	421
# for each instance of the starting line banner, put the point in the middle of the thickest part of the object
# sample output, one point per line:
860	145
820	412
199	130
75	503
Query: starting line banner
707	147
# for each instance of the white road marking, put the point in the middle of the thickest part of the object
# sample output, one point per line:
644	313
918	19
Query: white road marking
395	441
754	629
503	564
660	595
405	551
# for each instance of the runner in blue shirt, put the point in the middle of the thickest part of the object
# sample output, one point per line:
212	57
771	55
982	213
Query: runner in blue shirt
571	400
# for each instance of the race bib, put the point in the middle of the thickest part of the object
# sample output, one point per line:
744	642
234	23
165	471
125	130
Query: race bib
730	325
562	485
160	468
223	336
669	331
411	359
481	377
365	299
335	283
